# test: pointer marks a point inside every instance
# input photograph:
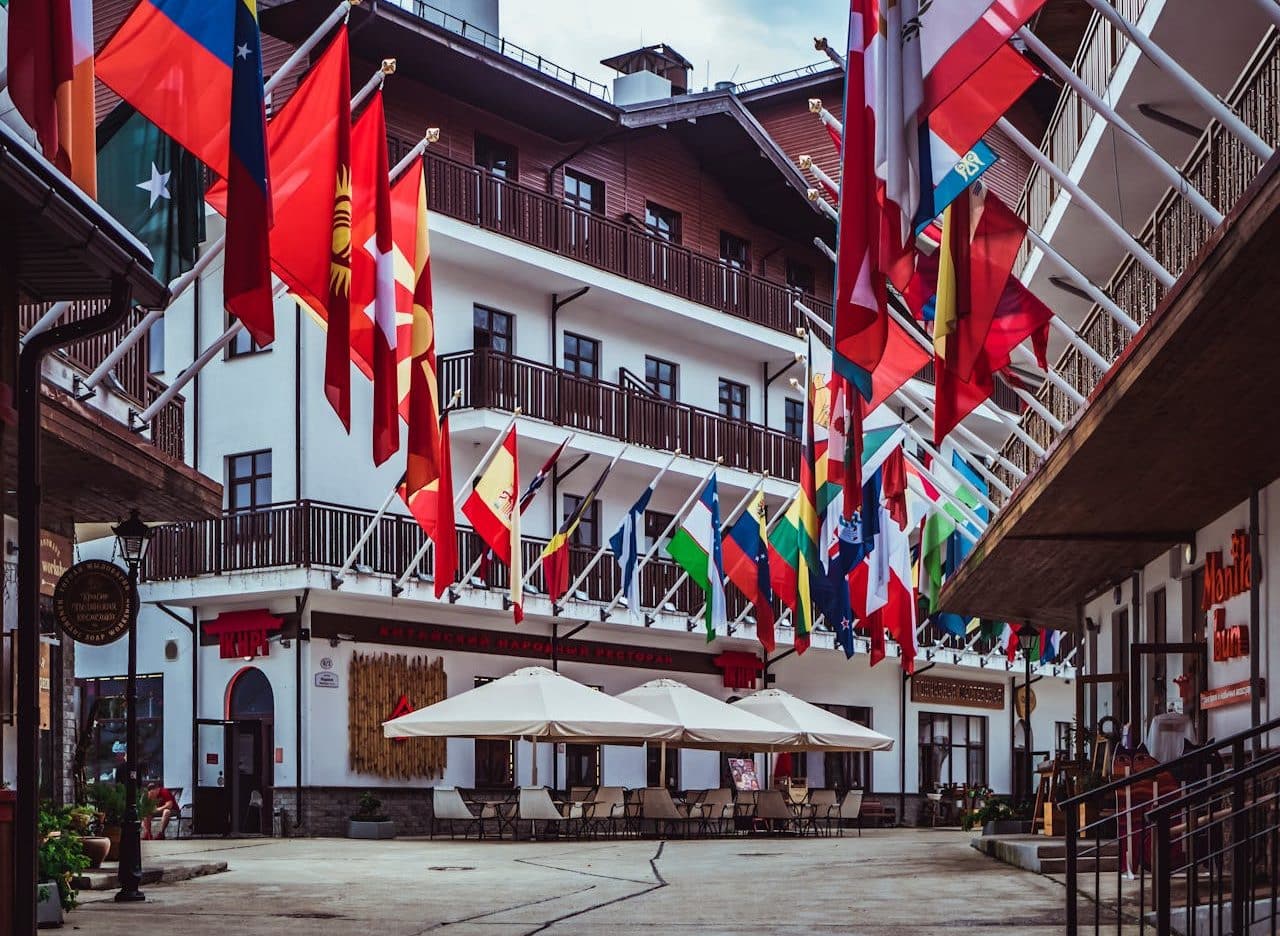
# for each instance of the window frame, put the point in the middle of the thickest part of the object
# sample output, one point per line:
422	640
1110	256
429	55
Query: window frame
982	746
242	345
731	244
850	764
590	520
495	745
795	266
654	383
492	314
581	180
252	479
734	386
793	421
483	140
655	521
673	233
578	359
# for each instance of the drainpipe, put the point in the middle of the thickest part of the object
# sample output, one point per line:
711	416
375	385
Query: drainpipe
1136	682
303	633
1255	619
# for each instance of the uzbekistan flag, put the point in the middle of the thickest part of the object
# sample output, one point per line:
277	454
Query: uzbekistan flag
492	509
697	548
746	562
555	557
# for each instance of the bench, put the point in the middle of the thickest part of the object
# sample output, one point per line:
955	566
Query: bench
877	813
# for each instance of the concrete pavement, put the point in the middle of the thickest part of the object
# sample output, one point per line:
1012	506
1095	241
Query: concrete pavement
887	882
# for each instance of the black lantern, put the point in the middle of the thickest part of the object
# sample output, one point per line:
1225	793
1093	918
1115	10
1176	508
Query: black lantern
1027	636
132	538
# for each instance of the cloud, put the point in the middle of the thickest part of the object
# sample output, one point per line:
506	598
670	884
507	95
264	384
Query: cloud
738	39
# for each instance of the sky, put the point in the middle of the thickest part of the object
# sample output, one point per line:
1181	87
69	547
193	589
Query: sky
741	39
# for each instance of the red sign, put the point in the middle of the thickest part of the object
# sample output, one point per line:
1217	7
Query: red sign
1222	583
1233	694
243	633
1229	643
740	669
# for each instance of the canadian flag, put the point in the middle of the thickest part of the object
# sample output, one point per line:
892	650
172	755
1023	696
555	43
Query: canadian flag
374	326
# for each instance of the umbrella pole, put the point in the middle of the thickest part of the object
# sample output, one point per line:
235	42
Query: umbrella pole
534	768
662	765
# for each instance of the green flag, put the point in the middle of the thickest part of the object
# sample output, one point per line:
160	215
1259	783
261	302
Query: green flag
153	187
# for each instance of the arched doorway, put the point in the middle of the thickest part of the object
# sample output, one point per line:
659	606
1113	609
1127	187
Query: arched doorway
250	761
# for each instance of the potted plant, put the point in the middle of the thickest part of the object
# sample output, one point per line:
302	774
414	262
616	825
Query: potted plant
83	821
369	822
108	799
61	858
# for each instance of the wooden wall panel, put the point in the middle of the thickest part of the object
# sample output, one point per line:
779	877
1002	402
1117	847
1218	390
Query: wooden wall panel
377	685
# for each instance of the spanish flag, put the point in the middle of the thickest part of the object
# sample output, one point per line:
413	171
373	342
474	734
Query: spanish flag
492	510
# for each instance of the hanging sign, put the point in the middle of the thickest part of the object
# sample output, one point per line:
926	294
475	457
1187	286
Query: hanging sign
93	602
1233	694
55	557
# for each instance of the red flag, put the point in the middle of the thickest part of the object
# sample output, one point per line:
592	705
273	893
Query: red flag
972	48
893	484
40	62
492	508
904	357
373	285
308	144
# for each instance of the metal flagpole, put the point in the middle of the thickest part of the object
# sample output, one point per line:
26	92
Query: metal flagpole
1051	375
970	516
1179	182
807	164
458	495
1130	243
675	518
982	469
773	522
950	470
604	547
1269	7
340	12
1095	293
724	525
822	204
533	566
1169	64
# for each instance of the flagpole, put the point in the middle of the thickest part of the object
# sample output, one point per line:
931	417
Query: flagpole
907	396
675	518
340	12
938	459
458	498
823	206
724	526
977	465
538	562
773	522
1094	292
969	515
573	587
183	378
1179	182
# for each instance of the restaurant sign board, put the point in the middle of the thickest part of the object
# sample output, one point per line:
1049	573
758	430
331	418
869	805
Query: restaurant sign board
939	690
93	602
1232	694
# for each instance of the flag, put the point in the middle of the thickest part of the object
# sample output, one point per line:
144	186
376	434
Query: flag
491	508
934	535
427	450
625	544
373	279
696	548
789	572
746	563
246	269
904	357
894	474
153	187
431	504
530	492
50	75
973	482
899	613
844	441
555	556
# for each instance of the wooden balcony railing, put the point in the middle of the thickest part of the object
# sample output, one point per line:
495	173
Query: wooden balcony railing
1221	167
313	534
497	381
541	220
136	383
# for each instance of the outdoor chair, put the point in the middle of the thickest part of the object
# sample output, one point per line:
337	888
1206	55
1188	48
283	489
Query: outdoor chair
580	793
447	805
774	812
878	813
657	807
824	809
714	810
607	812
535	805
850	811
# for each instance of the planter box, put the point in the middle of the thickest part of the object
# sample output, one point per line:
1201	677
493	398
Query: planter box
1007	827
48	906
370	830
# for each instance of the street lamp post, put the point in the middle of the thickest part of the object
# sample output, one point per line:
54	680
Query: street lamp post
1026	639
132	538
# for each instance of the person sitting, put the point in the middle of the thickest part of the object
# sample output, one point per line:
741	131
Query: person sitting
166	807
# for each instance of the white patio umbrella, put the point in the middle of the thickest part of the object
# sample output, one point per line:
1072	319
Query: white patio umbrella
818	729
537	704
705	721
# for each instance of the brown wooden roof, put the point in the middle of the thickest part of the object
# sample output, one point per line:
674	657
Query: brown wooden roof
1179	431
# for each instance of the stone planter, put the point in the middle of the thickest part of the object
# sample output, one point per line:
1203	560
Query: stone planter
96	849
1007	827
48	904
112	834
360	829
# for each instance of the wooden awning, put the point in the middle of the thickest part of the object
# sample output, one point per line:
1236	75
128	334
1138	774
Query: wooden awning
1180	430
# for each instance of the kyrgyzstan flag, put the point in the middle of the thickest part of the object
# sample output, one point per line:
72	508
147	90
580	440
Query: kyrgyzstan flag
373	280
308	144
491	508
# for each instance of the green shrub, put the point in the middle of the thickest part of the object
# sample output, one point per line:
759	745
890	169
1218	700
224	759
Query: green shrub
61	853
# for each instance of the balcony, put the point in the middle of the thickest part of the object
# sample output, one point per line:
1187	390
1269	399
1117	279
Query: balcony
628	412
540	220
315	535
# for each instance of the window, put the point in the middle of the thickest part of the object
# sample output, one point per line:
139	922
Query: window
953	749
155	347
733	399
581	765
500	159
660	375
495	760
656	523
653	765
793	418
102	704
249	480
1064	739
587	532
735	251
846	770
800	276
583	192
492	330
242	344
581	356
663	223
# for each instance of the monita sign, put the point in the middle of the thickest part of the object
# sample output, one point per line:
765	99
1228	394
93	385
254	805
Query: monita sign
1222	583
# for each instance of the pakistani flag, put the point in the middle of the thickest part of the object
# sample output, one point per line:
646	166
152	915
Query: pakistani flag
696	548
153	187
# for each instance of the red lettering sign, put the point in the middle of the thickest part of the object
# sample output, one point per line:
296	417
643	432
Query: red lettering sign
1229	643
740	669
1222	583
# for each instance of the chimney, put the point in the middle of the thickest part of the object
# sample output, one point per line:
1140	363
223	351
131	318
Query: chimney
649	74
